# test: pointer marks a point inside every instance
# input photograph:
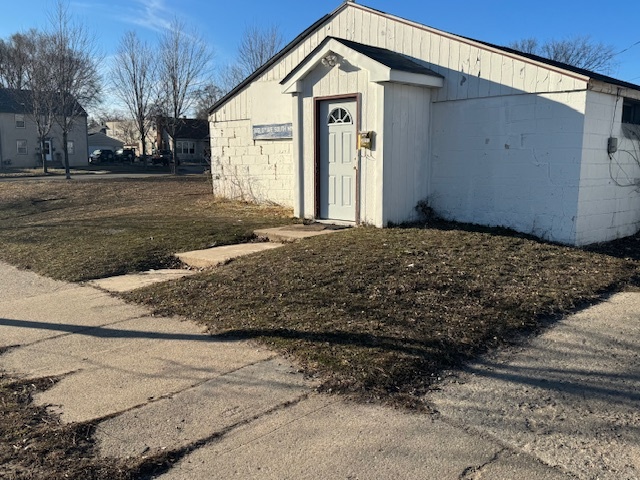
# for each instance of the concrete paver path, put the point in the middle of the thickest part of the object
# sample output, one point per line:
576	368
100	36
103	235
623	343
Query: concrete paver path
160	383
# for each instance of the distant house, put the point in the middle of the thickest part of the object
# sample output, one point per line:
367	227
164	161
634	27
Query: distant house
365	114
19	138
126	132
101	140
192	138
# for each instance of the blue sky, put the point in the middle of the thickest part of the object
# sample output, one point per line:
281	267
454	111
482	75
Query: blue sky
222	22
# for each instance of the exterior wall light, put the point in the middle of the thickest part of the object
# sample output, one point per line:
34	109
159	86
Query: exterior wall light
330	60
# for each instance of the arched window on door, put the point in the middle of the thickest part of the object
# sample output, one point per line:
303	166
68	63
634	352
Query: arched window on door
339	115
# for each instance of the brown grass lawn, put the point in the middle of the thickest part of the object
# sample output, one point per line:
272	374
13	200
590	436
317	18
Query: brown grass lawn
378	314
382	313
35	445
77	230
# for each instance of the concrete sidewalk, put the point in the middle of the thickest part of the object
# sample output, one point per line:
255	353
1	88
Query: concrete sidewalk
154	384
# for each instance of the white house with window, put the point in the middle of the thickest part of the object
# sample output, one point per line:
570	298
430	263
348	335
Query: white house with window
19	146
365	114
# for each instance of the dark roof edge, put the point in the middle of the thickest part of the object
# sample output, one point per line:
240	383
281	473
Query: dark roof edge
273	60
530	56
296	41
565	66
352	45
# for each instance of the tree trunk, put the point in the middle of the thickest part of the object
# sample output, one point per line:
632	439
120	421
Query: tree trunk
143	137
174	167
65	149
43	156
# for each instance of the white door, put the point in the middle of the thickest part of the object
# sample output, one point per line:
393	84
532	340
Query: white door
338	156
47	150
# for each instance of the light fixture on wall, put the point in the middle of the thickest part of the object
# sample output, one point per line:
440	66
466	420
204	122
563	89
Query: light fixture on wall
330	60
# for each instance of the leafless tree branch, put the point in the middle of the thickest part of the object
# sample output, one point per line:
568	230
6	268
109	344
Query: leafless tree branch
134	77
183	59
579	51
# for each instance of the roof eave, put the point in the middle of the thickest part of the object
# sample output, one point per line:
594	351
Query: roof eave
378	72
276	58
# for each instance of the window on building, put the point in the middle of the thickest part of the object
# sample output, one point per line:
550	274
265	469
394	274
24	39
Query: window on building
631	112
71	147
339	115
19	121
21	147
184	147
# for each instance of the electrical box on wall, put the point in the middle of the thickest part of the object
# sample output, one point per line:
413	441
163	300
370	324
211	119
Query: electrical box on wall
612	145
365	140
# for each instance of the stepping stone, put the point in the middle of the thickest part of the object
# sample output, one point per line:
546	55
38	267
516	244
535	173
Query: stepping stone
291	233
211	257
131	281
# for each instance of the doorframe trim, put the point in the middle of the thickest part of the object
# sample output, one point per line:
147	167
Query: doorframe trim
316	148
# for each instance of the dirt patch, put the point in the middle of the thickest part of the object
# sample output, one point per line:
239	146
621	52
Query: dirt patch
35	445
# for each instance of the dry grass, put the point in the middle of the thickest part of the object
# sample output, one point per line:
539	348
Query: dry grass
79	230
381	313
35	445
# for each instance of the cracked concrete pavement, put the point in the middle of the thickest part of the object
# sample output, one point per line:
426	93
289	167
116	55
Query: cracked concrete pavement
154	384
570	397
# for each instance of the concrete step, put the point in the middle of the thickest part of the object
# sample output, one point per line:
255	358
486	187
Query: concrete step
214	256
211	257
292	233
131	281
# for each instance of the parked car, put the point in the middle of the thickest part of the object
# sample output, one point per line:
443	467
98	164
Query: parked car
125	155
101	155
163	157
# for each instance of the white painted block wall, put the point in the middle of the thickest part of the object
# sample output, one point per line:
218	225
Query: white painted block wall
511	161
250	170
609	202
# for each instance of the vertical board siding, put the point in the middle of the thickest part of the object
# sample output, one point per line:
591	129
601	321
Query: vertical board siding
494	73
405	150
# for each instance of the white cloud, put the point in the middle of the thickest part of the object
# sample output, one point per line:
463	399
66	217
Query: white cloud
151	14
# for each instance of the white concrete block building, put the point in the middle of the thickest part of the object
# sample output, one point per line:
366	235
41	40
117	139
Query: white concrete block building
484	134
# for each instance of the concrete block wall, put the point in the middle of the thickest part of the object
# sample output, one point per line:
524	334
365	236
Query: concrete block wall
609	202
250	170
511	161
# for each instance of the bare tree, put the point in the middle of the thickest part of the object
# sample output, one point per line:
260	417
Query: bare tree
526	45
15	54
74	67
206	96
183	59
38	97
257	46
134	77
579	51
